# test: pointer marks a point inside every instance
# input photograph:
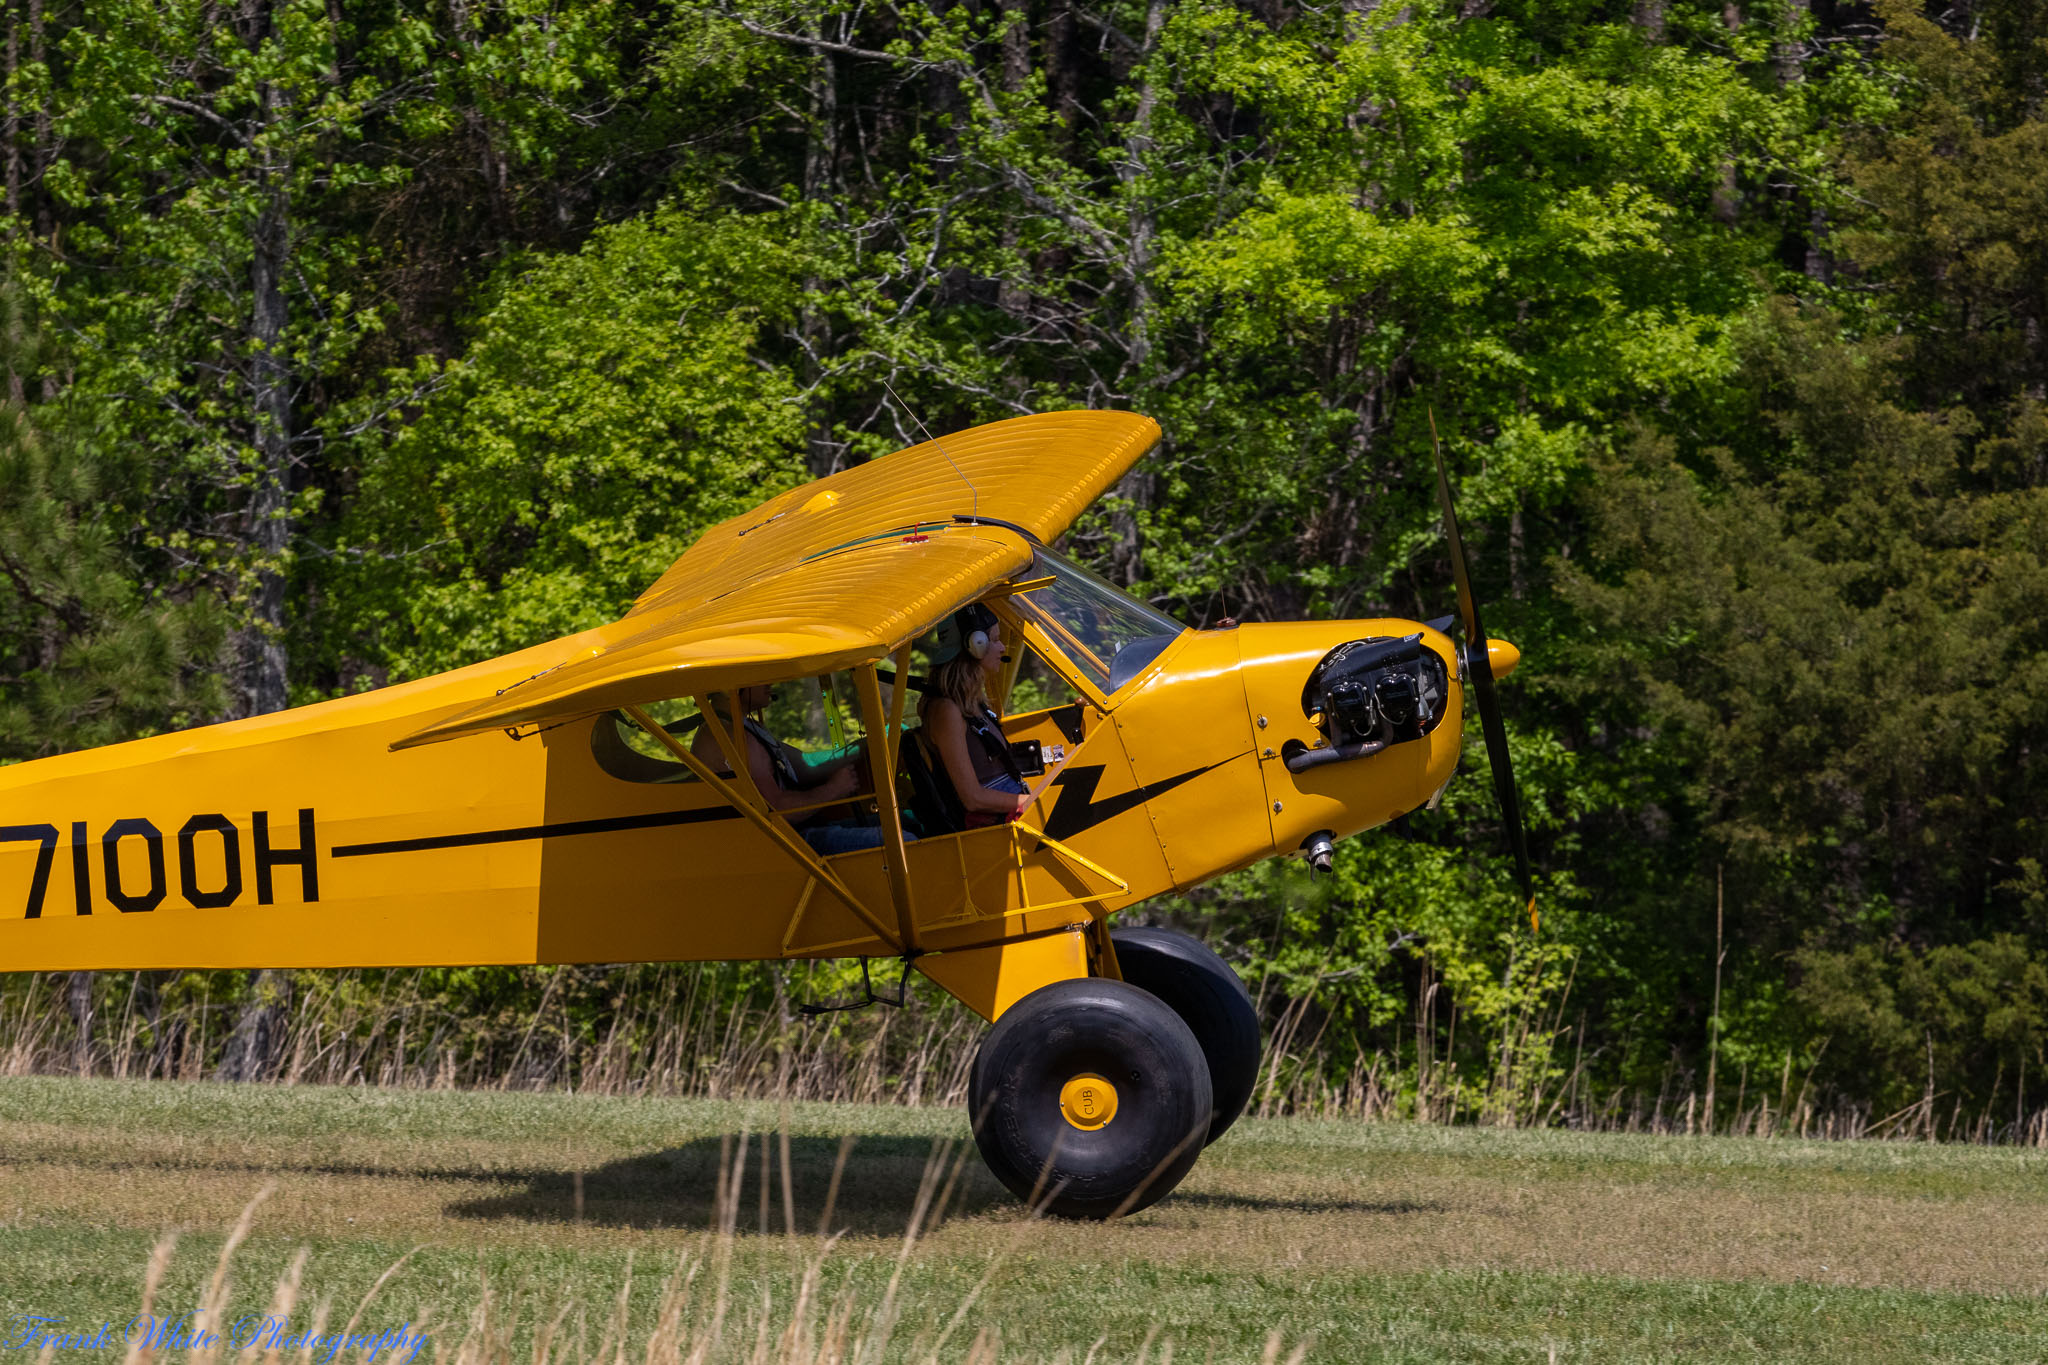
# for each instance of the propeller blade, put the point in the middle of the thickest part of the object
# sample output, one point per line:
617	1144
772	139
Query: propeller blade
1479	678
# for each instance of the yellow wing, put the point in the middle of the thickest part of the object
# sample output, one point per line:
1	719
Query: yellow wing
1034	472
839	572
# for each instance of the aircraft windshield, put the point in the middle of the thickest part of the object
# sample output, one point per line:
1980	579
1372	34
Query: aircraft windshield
1108	635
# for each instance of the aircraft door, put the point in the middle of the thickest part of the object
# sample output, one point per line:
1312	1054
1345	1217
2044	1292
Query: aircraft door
1191	745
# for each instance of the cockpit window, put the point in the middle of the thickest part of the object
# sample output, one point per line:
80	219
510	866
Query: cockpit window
1108	635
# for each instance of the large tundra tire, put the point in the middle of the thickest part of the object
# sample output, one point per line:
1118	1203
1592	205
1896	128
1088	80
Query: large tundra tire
1091	1098
1200	987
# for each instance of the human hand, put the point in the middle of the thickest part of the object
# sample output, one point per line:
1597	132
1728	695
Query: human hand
1023	804
845	782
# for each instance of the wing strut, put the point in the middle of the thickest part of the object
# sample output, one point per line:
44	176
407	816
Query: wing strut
884	729
739	799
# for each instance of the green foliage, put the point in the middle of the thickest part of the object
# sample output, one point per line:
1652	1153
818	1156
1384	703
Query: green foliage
93	647
1820	604
1847	650
1956	224
1964	1024
199	158
609	408
405	338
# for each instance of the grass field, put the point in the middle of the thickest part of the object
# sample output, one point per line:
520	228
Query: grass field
1365	1241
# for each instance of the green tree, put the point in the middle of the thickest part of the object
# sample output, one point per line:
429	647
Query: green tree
1959	1028
423	335
97	643
200	145
1819	607
612	405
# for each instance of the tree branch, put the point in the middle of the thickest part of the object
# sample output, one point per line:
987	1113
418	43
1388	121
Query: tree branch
827	45
196	111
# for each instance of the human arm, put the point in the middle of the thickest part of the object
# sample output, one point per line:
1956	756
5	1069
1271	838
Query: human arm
822	765
841	781
948	729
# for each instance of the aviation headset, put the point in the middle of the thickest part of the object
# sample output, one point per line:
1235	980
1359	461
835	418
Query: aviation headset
977	622
966	631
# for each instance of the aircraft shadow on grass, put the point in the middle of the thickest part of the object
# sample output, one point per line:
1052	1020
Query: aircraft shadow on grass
678	1187
877	1189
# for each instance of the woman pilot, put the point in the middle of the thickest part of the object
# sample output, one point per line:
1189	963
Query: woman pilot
966	652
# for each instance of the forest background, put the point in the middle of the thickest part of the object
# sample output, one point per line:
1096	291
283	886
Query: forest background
345	344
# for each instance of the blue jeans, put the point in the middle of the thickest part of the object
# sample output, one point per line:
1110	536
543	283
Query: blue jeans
1006	783
846	837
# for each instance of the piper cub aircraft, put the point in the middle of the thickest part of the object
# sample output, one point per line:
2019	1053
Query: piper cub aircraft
533	809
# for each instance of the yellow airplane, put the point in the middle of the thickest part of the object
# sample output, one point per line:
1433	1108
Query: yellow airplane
532	809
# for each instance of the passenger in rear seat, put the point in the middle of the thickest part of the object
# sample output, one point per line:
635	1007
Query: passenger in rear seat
785	779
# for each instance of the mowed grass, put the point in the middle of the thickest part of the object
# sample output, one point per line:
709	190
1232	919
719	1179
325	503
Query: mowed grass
1371	1241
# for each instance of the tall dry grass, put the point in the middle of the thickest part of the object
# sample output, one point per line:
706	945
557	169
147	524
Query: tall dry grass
666	1029
686	1030
703	1314
1536	1075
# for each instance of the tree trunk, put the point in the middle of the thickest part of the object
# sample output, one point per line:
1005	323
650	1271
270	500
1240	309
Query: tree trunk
1819	264
1141	230
41	152
942	94
149	1005
1790	59
1649	17
1518	587
78	1002
248	1053
16	391
13	123
251	1048
1141	223
821	164
270	399
1016	44
1789	54
1062	80
1727	197
492	166
1010	297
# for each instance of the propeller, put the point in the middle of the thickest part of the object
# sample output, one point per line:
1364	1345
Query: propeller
1479	678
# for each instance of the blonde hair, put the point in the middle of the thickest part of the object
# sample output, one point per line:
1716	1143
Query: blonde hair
959	680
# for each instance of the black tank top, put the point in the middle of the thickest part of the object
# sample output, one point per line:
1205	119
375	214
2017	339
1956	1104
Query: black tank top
991	754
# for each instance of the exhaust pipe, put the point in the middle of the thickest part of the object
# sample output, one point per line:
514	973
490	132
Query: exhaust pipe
1319	850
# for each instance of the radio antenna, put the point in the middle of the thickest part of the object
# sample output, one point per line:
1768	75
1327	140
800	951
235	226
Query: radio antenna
976	512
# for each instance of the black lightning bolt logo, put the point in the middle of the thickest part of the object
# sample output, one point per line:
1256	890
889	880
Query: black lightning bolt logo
1078	810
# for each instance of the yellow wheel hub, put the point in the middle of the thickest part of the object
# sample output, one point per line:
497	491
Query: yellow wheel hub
1088	1102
